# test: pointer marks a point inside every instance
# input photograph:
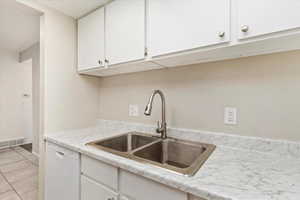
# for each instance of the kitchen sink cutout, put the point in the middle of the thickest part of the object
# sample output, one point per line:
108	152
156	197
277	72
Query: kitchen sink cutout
180	156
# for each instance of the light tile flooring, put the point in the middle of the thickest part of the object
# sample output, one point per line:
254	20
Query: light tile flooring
18	174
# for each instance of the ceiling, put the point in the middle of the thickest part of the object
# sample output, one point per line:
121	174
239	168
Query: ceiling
19	26
73	8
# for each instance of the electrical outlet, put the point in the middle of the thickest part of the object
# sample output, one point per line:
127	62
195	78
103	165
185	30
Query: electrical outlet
133	110
230	116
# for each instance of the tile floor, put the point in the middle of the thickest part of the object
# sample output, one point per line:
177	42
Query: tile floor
18	174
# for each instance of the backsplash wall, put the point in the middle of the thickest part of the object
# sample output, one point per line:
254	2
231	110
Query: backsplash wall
264	89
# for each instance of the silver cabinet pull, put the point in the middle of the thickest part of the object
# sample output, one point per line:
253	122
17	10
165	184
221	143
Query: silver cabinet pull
221	34
106	61
245	28
60	154
99	62
112	198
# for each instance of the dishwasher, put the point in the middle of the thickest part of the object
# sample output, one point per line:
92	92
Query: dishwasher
62	175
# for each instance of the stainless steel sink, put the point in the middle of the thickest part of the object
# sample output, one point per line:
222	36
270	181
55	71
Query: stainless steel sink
124	144
177	155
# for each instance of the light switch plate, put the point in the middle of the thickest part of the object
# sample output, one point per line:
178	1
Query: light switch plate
133	110
230	116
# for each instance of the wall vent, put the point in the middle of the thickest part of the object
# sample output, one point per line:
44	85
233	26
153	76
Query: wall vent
11	143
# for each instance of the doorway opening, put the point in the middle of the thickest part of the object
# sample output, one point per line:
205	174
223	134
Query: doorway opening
19	100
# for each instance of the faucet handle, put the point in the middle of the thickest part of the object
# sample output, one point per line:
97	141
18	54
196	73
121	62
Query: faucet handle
158	127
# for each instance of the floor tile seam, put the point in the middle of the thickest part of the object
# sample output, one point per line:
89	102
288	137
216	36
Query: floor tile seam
9	163
25	157
13	188
13	163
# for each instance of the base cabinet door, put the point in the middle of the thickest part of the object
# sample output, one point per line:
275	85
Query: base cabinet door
257	17
91	190
62	173
135	187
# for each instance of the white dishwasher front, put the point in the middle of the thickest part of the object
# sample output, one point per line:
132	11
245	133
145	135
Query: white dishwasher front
62	181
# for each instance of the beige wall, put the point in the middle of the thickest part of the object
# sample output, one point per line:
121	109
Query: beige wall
71	101
12	86
265	90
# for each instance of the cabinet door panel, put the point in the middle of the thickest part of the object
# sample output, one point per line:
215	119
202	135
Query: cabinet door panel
139	188
91	190
100	171
176	25
91	40
267	16
61	173
125	31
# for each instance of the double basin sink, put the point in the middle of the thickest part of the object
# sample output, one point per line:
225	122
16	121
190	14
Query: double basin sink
181	156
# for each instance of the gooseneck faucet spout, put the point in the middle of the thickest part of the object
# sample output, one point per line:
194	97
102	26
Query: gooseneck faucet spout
162	128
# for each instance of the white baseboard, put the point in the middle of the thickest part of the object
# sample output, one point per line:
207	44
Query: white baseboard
11	143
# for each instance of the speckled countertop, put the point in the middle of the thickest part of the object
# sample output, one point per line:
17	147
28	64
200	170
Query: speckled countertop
241	168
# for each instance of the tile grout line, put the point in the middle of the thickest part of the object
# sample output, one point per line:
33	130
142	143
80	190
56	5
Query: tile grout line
12	187
25	157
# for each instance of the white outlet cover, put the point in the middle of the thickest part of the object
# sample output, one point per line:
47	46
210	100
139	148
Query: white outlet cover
230	115
133	110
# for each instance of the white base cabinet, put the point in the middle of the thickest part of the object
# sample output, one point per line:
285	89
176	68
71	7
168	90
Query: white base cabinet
70	178
100	181
91	190
103	173
137	187
62	173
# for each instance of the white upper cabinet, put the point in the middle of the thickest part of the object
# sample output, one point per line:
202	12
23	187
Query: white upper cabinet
257	17
183	32
91	51
125	31
176	25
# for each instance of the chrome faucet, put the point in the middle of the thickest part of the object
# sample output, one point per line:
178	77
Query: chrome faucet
162	129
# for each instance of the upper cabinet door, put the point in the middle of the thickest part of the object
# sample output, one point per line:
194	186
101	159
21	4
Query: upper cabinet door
257	17
91	40
177	25
125	31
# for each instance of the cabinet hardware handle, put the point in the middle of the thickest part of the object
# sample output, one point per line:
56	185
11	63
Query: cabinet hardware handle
107	61
111	198
245	28
221	34
99	62
60	153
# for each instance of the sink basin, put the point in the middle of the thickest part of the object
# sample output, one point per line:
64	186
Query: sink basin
177	155
124	143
